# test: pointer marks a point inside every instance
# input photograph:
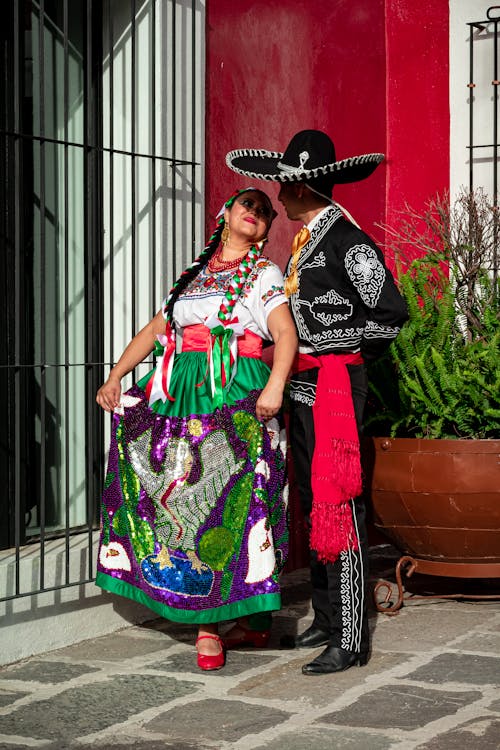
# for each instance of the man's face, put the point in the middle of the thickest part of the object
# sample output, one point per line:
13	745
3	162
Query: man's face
289	197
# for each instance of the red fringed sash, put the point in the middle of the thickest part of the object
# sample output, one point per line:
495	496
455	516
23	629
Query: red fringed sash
336	464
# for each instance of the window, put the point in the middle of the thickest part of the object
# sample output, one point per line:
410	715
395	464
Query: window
101	119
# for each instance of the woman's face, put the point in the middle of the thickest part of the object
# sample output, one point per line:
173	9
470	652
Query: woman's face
249	217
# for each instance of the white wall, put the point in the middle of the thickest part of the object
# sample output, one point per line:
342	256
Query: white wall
169	201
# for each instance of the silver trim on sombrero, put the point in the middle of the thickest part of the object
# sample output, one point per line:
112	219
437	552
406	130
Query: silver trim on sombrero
288	169
274	157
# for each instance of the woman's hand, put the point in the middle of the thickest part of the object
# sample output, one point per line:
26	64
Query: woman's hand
269	402
282	330
108	395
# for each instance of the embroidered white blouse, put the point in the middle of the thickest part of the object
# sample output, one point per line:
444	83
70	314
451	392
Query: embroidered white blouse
262	293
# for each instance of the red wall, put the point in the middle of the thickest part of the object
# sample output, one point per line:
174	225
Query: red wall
373	74
417	110
276	68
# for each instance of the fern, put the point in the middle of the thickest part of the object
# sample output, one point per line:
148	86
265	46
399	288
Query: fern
441	377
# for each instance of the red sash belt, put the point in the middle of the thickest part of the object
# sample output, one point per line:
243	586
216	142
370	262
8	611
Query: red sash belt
307	361
336	464
196	338
222	348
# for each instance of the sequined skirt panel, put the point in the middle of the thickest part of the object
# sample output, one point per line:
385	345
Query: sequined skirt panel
194	506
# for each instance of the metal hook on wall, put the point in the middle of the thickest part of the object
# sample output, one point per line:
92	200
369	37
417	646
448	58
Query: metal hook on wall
488	13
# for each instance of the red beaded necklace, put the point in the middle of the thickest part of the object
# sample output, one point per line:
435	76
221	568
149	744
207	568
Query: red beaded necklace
216	264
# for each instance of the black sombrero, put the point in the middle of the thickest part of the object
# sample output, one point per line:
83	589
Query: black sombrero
310	155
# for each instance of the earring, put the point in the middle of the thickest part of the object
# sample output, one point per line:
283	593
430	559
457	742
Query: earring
225	234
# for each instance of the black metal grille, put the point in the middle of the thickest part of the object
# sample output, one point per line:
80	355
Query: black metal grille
484	37
100	121
484	83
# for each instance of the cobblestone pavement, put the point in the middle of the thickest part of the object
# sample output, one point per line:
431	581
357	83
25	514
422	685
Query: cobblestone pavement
432	683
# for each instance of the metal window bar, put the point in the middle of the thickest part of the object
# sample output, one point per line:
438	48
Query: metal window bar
24	141
152	235
111	175
66	274
133	167
43	414
173	136
481	31
93	230
18	224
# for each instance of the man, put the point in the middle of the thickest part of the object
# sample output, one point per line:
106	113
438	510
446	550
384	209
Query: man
347	310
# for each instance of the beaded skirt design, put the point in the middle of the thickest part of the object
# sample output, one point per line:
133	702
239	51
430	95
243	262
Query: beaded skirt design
194	508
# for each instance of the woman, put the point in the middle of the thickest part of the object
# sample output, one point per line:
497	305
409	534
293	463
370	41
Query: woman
194	507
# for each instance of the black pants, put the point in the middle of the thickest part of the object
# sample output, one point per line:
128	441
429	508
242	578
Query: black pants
339	596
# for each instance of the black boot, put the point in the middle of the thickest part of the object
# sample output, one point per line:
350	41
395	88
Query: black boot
334	659
310	638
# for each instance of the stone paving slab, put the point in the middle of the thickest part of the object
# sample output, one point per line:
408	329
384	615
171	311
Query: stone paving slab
6	697
132	743
113	647
488	641
326	738
46	671
427	626
473	670
82	710
237	662
401	706
286	683
170	633
216	720
482	733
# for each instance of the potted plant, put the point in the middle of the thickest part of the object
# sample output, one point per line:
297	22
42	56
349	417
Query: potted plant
434	475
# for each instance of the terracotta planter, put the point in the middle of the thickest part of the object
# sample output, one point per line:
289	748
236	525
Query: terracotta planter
438	501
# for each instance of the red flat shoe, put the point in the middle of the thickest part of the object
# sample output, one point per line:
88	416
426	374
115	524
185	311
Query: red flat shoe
209	662
248	637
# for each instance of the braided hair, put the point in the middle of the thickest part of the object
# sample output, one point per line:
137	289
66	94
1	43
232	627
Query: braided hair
192	271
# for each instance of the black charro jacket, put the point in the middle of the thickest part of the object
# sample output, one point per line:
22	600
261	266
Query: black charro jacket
346	300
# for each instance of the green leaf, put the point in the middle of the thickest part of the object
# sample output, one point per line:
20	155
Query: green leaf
225	585
216	547
110	478
120	521
249	429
